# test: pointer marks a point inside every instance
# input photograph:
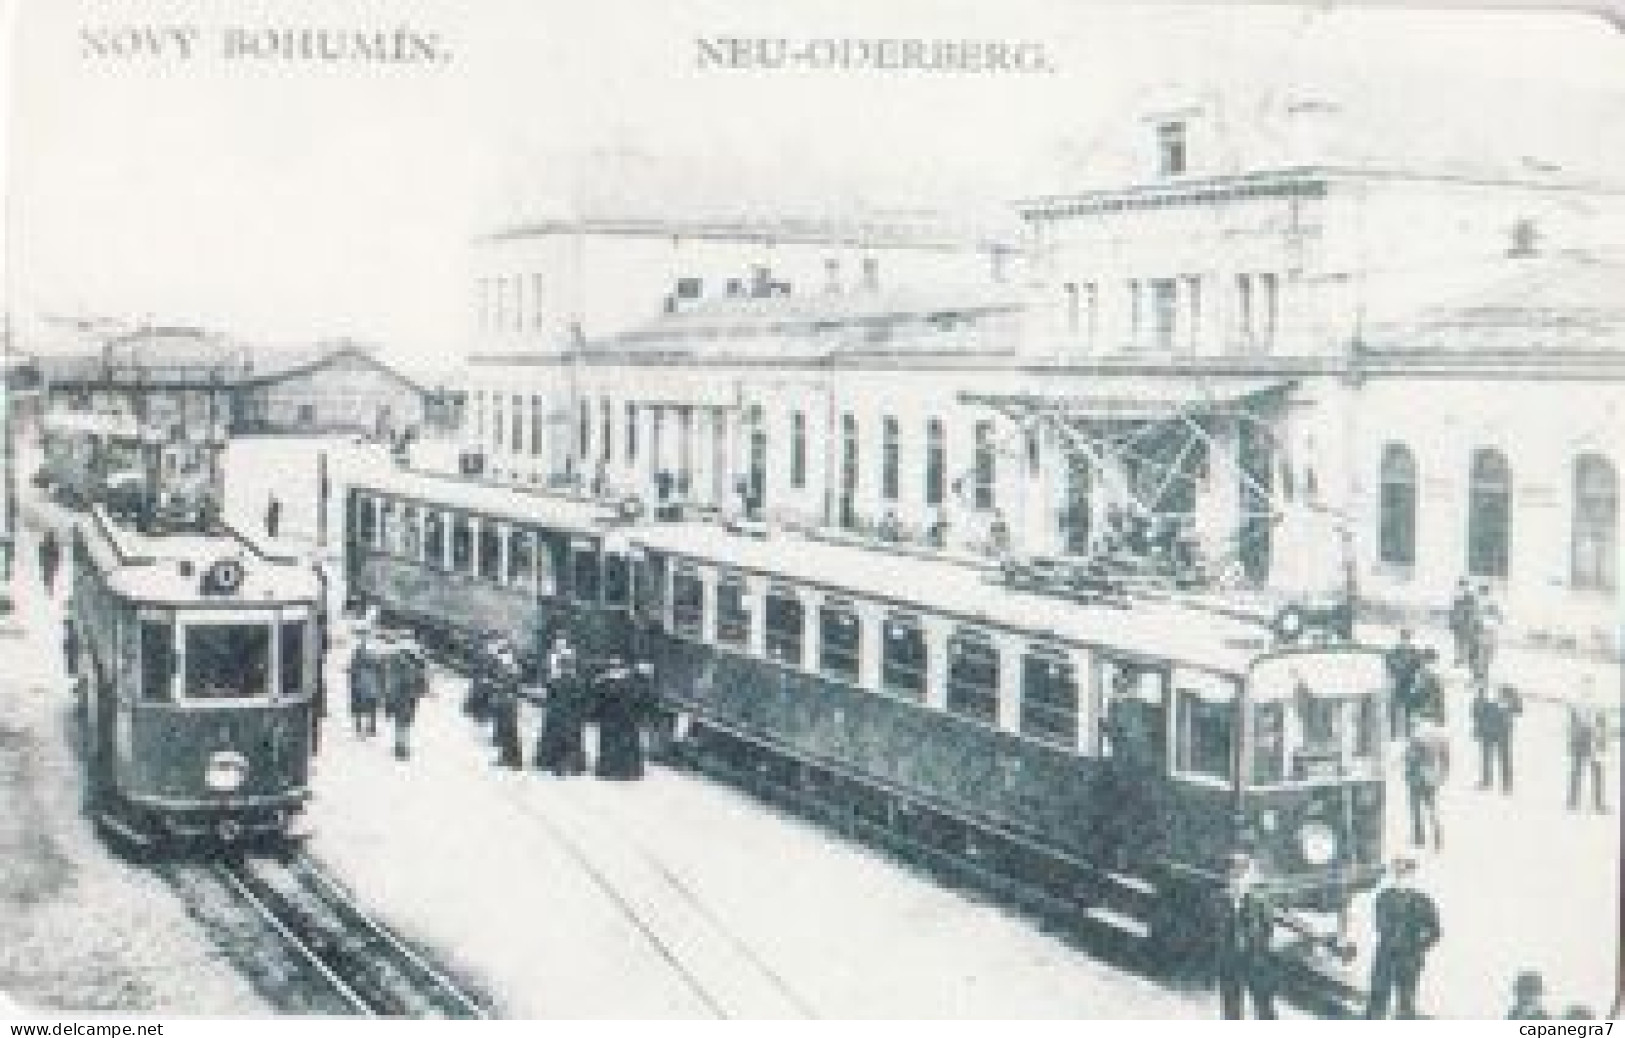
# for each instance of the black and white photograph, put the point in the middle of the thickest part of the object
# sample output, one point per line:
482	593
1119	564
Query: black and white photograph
917	510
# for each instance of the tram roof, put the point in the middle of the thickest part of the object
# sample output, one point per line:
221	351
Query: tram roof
515	504
967	594
168	569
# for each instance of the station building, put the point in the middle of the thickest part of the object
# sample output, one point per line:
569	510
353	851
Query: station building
1335	366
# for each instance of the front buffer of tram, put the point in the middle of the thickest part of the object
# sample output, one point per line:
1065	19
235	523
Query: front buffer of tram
197	656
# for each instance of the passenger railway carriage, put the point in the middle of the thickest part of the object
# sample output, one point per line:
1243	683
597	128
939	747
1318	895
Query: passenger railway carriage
199	662
1123	750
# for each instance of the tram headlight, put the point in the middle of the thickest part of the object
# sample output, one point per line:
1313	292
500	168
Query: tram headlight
1317	843
226	771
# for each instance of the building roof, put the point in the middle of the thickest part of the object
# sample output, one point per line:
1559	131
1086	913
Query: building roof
192	358
1566	302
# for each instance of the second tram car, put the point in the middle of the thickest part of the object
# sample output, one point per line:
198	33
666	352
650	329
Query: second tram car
198	660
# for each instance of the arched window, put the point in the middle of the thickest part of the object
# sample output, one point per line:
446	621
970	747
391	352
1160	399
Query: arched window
1489	514
1396	533
1596	523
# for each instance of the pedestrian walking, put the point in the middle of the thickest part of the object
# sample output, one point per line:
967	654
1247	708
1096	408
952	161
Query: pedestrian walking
1427	690
621	708
1528	997
1463	621
1489	722
365	679
1486	636
1407	924
505	707
407	685
1403	662
1427	765
1588	748
1510	704
50	559
1246	925
273	516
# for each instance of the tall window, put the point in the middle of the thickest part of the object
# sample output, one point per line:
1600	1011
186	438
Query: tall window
1164	312
1244	310
840	640
1191	287
973	677
889	451
849	469
536	420
786	626
631	439
1269	305
798	450
1049	698
499	426
603	430
1489	514
479	415
936	461
516	441
1073	306
536	301
1171	149
1396	507
986	466
584	430
1596	524
903	658
758	457
733	612
1134	307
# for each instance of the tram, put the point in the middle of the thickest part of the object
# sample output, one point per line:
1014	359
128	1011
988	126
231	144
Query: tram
161	481
84	453
198	662
1112	756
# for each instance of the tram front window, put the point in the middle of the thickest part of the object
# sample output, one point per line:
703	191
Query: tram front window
228	661
1316	717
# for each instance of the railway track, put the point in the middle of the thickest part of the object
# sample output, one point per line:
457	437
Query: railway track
1093	909
331	957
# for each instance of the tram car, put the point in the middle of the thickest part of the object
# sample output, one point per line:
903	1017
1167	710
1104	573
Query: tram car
197	656
86	457
460	563
1111	757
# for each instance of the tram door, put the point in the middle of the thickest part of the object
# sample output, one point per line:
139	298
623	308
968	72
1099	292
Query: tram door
1132	741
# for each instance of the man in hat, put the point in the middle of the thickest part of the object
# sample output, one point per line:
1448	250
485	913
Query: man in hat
1246	926
1463	620
1407	923
365	681
504	686
1427	764
1588	749
559	746
1403	662
620	724
1528	997
408	683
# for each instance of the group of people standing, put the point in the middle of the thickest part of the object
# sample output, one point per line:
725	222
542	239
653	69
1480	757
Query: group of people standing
610	694
388	671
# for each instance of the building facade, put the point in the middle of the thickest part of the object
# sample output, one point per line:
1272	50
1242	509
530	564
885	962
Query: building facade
341	388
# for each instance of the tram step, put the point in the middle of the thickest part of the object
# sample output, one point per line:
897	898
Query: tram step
1118	921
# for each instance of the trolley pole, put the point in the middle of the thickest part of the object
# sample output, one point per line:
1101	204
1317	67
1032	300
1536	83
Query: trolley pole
323	491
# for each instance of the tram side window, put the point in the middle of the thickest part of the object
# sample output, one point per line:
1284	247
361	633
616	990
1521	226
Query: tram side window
411	533
902	661
365	521
462	545
617	579
733	613
157	659
586	574
688	605
227	661
292	650
521	558
973	678
1049	699
490	553
434	538
388	527
1207	732
651	588
786	625
840	639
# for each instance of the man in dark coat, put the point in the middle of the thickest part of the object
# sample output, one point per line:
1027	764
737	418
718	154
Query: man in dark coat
559	746
1588	748
1510	704
1246	924
273	517
1404	662
1529	997
1427	763
1489	731
408	683
1407	921
366	679
620	724
50	559
1463	621
505	707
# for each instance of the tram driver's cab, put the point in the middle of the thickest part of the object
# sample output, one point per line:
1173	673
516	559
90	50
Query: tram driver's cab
1311	789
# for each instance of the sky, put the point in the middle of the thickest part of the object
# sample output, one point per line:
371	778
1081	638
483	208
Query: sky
289	201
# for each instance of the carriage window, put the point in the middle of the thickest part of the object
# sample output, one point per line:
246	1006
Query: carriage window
688	605
434	538
652	588
733	613
521	558
293	657
411	533
585	574
839	639
1049	699
973	677
1132	724
227	661
157	659
462	545
490	553
902	661
786	625
617	579
1206	735
1269	743
388	526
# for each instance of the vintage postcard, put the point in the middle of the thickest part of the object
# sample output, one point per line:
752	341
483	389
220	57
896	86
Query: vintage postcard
812	510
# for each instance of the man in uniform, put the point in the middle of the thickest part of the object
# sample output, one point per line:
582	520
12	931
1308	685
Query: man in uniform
1407	922
1246	926
1427	763
1404	662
